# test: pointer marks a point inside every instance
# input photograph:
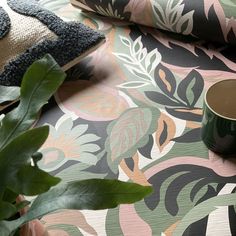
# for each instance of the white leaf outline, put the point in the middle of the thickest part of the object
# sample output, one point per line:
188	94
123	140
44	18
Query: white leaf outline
161	24
109	11
136	71
124	57
172	17
142	54
185	18
135	65
137	42
125	41
156	61
124	85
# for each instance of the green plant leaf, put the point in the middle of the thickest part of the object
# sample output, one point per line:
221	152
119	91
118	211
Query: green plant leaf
9	196
16	155
9	93
93	194
40	82
32	181
204	209
6	210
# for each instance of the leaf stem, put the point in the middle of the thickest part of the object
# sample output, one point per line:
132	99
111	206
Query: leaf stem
137	62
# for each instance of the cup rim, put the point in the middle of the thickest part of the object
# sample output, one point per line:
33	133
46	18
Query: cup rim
205	100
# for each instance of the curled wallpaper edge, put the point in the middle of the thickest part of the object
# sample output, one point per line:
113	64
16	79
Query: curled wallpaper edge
210	20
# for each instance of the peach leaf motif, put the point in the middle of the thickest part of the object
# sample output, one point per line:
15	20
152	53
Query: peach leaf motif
166	130
136	175
165	80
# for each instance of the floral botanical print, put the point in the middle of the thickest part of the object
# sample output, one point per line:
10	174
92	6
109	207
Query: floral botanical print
132	111
66	142
213	20
169	16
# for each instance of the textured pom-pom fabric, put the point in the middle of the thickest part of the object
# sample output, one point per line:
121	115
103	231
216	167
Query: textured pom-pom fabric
28	32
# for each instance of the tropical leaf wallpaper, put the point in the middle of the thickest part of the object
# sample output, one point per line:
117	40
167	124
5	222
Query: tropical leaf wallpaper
132	111
205	19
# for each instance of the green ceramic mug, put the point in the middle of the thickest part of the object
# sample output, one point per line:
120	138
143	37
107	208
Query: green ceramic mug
219	117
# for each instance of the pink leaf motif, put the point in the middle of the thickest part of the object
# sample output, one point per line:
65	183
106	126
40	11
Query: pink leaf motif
56	232
141	12
131	223
225	26
220	166
90	101
69	217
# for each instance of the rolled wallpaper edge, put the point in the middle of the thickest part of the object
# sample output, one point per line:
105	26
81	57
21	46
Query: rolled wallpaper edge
211	20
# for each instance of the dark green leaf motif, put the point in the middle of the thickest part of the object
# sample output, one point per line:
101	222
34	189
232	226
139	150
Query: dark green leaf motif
179	188
185	114
190	88
161	99
203	209
193	135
